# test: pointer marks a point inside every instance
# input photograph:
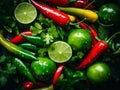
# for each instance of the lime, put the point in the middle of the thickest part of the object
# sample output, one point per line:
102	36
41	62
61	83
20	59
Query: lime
60	52
98	72
80	39
25	13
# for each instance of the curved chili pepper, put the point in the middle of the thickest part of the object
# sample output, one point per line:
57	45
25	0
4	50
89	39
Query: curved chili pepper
16	50
98	48
87	14
83	26
22	68
57	73
29	46
73	3
28	85
19	39
57	16
33	39
93	33
58	2
82	4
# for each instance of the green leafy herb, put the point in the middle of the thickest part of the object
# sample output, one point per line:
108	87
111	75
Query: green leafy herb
6	69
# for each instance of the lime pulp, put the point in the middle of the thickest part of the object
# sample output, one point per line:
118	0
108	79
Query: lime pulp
25	13
60	52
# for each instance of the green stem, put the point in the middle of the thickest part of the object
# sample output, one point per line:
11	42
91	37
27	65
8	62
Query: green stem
105	25
112	37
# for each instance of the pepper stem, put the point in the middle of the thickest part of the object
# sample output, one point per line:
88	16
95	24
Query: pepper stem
77	25
105	25
89	4
113	36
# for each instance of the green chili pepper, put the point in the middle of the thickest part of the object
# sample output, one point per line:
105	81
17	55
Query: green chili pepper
22	68
33	39
29	46
18	51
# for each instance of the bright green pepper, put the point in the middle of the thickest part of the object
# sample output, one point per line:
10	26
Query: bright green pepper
22	68
16	50
29	46
34	39
43	69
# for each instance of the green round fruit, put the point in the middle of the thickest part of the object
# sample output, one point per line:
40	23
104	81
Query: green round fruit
60	51
25	13
43	69
109	13
98	72
80	39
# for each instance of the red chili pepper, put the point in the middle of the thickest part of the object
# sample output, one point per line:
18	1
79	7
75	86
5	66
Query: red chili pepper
98	48
83	26
93	33
57	16
57	73
73	3
28	85
19	38
82	4
57	2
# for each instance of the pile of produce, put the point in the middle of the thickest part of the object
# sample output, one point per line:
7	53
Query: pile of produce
59	45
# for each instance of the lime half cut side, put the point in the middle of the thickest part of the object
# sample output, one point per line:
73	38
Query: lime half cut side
25	13
60	51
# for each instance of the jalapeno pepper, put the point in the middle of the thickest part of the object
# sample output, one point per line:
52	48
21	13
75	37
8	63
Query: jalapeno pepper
34	39
29	46
22	68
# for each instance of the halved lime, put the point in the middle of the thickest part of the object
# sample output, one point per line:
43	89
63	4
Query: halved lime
25	13
60	52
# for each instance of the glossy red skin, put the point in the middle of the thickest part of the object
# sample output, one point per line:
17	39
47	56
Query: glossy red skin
83	26
19	38
28	85
57	73
93	33
57	2
57	16
97	49
75	3
82	4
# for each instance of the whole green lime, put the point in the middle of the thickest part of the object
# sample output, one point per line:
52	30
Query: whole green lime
98	72
80	39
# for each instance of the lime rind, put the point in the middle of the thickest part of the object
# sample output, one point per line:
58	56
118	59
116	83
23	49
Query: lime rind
60	52
25	13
